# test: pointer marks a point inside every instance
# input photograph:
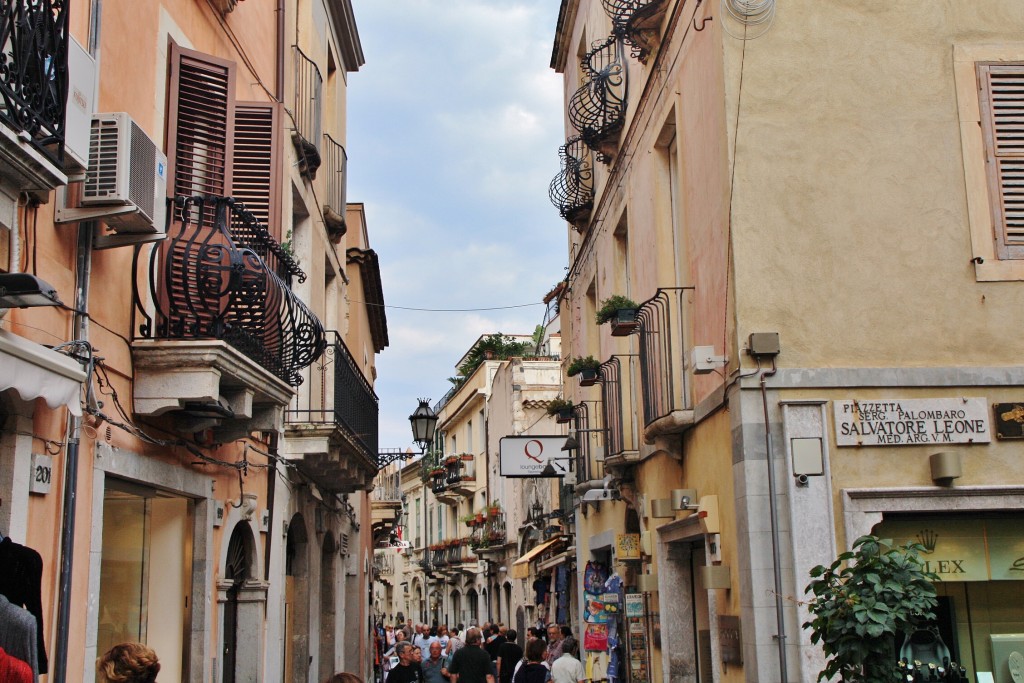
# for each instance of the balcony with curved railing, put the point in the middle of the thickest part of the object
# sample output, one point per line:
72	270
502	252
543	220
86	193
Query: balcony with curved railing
34	74
665	385
638	22
572	190
221	336
598	108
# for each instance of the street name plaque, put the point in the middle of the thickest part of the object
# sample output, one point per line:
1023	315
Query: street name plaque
911	422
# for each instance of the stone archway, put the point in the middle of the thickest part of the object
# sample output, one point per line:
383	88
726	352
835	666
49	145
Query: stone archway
456	602
242	597
296	592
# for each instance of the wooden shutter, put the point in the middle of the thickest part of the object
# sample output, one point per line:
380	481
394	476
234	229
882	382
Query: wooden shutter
254	173
200	121
1002	117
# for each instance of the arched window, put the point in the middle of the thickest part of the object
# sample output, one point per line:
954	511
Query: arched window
242	597
296	598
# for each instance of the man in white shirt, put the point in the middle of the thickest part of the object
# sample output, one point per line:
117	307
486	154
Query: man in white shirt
423	638
568	669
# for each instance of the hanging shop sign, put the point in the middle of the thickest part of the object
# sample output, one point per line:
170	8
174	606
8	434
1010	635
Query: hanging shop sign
528	456
627	546
730	639
911	422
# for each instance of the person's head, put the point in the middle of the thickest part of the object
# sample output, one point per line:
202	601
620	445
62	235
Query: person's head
473	636
442	630
495	629
399	635
533	633
389	627
344	677
566	632
435	650
511	635
502	629
128	663
535	650
417	654
571	647
554	633
403	650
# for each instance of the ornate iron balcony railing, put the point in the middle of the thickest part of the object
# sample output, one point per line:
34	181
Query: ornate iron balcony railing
572	190
619	438
220	275
663	347
336	160
598	108
383	564
638	22
307	112
588	466
339	394
34	71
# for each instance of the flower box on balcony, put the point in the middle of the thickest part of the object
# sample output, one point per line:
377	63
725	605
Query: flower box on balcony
561	410
588	378
624	322
469	457
451	460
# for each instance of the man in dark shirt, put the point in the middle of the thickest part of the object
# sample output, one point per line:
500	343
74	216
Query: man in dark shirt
509	655
494	642
408	669
471	663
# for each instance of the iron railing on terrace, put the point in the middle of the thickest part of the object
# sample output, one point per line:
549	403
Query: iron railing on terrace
572	190
384	563
339	394
619	437
638	22
663	347
386	493
307	112
221	275
336	181
589	467
34	71
598	108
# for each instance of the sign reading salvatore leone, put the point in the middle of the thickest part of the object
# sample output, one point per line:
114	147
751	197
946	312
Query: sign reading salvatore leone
910	422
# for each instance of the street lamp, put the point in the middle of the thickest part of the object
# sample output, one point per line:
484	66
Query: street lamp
424	422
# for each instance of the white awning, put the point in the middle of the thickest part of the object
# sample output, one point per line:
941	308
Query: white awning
35	371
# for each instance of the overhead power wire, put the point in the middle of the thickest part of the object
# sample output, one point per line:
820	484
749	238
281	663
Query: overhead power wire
448	310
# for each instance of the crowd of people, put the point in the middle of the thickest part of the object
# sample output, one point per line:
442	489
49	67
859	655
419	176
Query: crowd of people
416	653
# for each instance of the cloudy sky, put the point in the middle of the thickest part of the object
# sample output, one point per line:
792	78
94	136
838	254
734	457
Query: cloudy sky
453	133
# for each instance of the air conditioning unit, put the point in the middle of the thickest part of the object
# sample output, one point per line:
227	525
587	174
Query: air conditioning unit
126	170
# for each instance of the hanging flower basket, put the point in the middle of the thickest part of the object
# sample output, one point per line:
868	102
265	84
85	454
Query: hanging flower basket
588	378
563	416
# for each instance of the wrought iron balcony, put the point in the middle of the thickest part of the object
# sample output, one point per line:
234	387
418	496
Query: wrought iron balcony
34	71
588	466
491	536
383	564
333	424
334	202
307	111
665	386
619	438
598	108
572	190
460	474
638	22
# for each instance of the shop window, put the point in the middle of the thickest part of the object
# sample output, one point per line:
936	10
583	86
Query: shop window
145	575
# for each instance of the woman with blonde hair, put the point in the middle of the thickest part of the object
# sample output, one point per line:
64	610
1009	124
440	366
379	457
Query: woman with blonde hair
128	663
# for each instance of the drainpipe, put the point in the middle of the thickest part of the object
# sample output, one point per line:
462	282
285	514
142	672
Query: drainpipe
279	75
773	508
83	269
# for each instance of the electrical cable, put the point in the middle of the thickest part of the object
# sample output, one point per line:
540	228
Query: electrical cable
447	310
756	14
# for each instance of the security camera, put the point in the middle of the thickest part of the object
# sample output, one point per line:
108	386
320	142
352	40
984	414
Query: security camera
597	495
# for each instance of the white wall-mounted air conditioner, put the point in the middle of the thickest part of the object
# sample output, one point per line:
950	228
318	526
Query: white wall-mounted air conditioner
126	168
125	186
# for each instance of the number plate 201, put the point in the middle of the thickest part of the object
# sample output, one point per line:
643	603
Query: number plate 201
42	473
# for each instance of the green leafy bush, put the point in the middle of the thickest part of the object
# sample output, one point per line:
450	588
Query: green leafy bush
578	365
862	601
611	305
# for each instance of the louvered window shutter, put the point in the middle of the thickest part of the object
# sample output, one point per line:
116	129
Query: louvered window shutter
1002	114
200	121
255	170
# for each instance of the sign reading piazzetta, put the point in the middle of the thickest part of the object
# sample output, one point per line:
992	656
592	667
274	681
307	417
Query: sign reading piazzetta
911	421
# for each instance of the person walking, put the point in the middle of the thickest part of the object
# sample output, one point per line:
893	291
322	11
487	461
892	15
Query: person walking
509	654
535	670
433	666
128	663
471	664
567	668
554	643
407	670
494	642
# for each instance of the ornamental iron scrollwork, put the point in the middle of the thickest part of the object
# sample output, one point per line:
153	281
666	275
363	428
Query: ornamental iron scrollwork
221	275
572	190
638	22
34	71
598	108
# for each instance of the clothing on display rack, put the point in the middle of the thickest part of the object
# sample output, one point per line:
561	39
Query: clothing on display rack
13	670
21	576
18	635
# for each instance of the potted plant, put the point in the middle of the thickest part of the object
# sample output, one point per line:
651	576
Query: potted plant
862	602
469	520
494	509
620	312
561	409
468	456
586	368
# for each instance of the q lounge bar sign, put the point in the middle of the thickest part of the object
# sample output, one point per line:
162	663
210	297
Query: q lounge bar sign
911	422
